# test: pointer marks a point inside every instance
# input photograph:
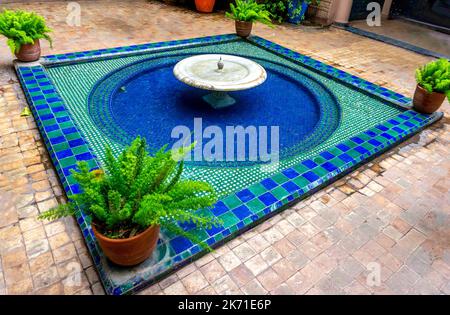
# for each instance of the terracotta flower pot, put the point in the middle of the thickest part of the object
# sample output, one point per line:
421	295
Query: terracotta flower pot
425	102
29	52
243	29
205	6
129	251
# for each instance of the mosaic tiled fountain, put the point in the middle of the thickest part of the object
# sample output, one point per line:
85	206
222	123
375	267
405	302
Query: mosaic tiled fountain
330	122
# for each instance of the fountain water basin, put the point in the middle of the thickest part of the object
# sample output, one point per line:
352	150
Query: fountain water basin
220	74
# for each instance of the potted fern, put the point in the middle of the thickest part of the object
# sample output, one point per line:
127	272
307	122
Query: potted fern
433	84
297	10
245	12
135	196
23	31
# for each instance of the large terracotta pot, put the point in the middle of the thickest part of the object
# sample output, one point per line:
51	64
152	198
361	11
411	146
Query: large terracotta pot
425	102
205	6
243	29
129	251
29	52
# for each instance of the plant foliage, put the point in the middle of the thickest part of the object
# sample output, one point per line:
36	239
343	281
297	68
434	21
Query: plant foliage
138	190
21	27
249	11
435	77
279	9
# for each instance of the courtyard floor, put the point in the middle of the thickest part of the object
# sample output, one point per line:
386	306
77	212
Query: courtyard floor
410	33
393	213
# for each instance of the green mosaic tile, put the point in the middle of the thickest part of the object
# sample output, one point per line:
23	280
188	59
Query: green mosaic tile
279	178
228	219
337	162
61	146
55	134
300	181
335	151
367	146
257	189
66	124
199	233
350	144
232	201
381	139
354	154
49	122
68	161
320	171
364	137
280	192
73	136
255	205
300	168
233	228
80	149
319	160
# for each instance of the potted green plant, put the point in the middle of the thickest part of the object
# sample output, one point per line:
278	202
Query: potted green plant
245	12
298	8
23	31
277	9
313	7
135	195
433	84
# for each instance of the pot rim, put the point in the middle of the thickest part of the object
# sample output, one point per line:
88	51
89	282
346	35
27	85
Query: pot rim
246	22
120	240
423	89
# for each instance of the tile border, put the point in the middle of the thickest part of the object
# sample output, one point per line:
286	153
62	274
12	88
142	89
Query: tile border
242	210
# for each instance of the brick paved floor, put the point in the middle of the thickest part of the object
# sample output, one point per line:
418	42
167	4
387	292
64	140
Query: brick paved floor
393	212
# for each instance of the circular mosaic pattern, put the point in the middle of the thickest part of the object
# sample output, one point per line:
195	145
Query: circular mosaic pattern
145	99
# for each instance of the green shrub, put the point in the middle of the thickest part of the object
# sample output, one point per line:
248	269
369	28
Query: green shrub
435	77
138	190
21	27
249	11
279	8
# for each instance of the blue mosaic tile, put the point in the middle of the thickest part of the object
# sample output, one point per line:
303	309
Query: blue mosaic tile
267	198
245	195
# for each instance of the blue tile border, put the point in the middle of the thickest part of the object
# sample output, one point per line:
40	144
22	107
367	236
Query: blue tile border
242	210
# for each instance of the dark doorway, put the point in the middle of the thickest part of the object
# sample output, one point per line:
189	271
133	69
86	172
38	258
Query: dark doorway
359	9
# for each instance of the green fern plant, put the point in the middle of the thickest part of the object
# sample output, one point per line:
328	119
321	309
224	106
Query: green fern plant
249	11
138	190
279	8
21	27
435	77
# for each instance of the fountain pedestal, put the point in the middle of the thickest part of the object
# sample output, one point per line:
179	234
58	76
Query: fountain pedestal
220	74
219	99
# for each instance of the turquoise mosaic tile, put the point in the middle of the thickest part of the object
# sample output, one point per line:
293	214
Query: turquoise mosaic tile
239	211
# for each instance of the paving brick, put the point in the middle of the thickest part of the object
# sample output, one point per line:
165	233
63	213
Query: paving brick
213	271
194	282
256	265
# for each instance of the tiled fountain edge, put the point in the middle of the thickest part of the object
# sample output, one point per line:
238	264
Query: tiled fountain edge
60	131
